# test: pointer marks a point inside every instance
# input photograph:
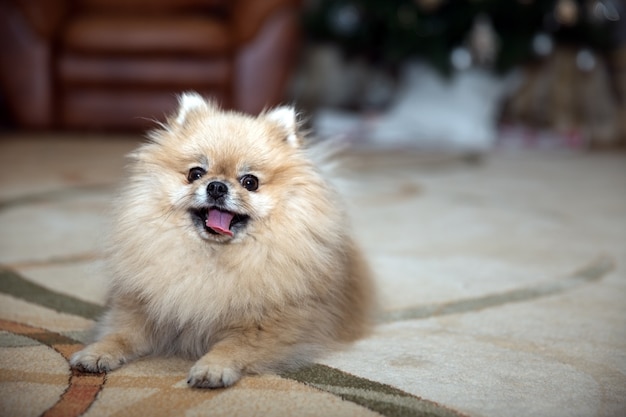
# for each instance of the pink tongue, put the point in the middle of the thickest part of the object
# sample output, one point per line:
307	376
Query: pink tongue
219	221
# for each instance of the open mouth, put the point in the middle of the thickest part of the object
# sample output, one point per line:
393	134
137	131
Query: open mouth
217	221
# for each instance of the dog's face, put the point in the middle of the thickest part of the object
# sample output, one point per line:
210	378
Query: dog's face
224	173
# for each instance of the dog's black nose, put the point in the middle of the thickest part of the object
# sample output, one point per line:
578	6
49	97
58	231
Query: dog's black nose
216	189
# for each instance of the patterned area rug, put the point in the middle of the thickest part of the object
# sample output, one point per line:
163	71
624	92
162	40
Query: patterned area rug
40	329
39	326
502	286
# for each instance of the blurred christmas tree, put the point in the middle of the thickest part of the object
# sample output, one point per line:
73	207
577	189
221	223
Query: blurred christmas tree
571	53
455	34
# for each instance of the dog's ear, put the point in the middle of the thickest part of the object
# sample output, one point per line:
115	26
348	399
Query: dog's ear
286	118
190	101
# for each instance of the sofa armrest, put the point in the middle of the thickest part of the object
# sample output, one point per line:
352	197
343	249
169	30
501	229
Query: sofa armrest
249	16
264	64
44	16
26	60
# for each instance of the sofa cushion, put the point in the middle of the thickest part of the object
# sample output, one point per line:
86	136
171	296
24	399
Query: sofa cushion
182	73
93	108
150	6
197	35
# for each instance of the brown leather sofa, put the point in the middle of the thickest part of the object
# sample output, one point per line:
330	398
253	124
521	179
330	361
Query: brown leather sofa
118	64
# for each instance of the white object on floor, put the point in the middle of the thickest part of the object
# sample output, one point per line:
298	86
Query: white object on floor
429	112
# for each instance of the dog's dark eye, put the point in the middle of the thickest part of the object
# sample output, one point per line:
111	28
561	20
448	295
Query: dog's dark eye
195	174
249	182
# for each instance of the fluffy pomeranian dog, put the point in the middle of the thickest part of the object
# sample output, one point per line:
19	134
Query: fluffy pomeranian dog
229	248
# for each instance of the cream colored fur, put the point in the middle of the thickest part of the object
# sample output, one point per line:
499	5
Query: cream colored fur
281	290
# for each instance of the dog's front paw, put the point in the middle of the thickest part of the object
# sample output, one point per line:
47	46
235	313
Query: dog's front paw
91	359
212	375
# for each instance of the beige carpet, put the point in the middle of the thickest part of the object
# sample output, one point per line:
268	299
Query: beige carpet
502	283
